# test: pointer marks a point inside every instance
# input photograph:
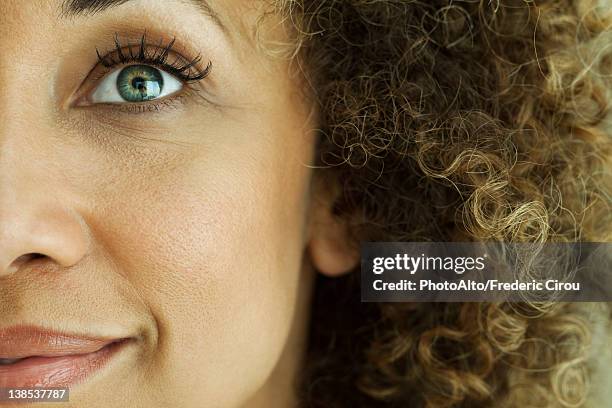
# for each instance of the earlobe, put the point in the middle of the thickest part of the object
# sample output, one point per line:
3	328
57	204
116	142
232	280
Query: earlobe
330	247
332	257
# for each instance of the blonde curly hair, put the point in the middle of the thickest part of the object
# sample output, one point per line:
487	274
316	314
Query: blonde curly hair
455	121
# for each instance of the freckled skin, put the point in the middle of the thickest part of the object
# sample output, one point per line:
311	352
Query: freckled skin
186	228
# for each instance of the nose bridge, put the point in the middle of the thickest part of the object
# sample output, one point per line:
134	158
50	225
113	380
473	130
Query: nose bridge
24	160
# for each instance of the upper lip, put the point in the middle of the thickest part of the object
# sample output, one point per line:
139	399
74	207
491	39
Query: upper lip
28	341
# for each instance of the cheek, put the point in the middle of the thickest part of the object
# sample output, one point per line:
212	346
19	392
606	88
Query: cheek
214	251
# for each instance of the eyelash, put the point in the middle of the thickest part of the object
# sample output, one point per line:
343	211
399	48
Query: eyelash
185	70
142	52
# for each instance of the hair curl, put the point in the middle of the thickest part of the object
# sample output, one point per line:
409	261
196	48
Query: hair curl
455	121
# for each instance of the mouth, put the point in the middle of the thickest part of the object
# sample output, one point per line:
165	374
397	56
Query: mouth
33	357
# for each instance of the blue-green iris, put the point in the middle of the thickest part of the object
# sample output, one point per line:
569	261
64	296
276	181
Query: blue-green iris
138	83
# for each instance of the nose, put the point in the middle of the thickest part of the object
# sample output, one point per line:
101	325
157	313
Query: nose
32	234
40	205
38	217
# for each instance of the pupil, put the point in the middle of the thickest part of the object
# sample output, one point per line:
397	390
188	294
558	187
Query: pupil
140	84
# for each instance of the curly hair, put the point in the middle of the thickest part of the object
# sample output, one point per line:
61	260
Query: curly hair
455	121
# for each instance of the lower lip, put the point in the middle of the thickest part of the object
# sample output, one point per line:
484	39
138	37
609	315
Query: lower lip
56	372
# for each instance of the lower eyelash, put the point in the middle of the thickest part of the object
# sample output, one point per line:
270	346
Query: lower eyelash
155	105
162	104
156	55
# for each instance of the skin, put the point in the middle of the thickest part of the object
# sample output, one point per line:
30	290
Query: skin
194	229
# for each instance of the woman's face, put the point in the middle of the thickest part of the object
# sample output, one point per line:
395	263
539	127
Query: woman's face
171	212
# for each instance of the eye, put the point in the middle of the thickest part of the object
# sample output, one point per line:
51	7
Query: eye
135	83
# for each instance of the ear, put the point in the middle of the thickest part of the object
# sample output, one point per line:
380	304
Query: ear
331	251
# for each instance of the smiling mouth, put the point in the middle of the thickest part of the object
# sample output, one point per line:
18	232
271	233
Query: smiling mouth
34	357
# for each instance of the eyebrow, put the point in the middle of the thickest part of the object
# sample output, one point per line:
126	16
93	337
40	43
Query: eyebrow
77	8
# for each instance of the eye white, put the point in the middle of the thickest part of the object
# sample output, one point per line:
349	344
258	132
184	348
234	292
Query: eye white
108	92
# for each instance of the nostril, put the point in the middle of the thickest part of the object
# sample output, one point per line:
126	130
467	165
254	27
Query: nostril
28	257
23	259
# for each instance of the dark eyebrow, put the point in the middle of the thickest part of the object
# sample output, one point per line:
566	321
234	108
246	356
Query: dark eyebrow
89	7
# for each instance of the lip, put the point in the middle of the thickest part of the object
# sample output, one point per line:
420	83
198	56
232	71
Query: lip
52	359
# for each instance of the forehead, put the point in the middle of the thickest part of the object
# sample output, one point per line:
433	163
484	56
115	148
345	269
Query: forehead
238	18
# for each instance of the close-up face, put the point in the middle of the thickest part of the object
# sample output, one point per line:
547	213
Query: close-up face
155	175
193	194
